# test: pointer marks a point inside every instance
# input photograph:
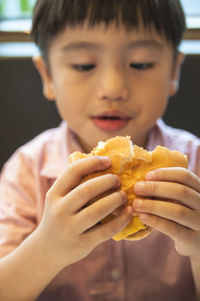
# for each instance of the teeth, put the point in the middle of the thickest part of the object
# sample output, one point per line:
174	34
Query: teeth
110	117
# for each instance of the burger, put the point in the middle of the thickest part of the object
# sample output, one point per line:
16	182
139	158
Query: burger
131	163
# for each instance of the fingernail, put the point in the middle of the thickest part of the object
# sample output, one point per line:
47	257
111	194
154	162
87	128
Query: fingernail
137	203
139	187
130	210
124	195
150	175
143	217
118	181
106	160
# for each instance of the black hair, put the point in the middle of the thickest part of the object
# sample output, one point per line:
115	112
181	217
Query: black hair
50	17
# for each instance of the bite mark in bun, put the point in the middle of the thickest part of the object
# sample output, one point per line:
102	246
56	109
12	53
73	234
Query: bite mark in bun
131	163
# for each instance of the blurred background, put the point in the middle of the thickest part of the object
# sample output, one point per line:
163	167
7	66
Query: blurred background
23	110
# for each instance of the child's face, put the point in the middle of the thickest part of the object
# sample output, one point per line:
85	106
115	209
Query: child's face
107	72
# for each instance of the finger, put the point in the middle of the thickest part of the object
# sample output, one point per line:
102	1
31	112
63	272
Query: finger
175	174
93	214
85	192
171	211
75	171
105	231
173	230
173	191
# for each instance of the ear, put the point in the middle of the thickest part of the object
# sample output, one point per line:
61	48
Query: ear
42	68
175	78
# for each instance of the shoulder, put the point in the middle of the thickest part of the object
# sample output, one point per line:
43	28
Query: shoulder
183	141
42	140
35	152
180	139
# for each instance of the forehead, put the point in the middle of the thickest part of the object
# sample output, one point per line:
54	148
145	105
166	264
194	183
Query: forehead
87	37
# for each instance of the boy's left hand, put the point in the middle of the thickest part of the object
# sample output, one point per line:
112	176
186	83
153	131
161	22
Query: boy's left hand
171	205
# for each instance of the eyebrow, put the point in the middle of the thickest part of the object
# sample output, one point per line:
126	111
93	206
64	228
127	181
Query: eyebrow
82	45
145	44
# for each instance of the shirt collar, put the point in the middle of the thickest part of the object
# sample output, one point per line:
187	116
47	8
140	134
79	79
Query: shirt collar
156	135
61	144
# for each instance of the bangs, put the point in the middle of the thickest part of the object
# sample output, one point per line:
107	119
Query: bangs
165	16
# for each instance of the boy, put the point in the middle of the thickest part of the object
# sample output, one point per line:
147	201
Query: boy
110	66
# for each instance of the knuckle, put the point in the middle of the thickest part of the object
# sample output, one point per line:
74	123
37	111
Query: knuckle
181	213
73	169
92	215
183	191
86	190
184	174
95	213
114	179
109	231
152	187
57	214
72	166
174	230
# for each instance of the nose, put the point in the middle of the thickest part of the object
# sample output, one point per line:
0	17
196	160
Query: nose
113	85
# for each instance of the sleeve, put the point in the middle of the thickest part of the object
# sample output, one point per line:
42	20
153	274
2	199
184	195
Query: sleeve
18	216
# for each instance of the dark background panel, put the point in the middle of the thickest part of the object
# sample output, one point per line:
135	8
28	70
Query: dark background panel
184	108
24	112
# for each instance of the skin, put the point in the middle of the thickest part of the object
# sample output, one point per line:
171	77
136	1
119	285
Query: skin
137	81
78	226
67	232
178	219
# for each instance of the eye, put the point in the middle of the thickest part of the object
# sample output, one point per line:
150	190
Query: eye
141	66
83	67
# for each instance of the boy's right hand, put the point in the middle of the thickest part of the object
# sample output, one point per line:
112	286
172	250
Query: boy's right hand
69	228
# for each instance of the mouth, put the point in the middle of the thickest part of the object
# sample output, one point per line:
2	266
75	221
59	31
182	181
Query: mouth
110	121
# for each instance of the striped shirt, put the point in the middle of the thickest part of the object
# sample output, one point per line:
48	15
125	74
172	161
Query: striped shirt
149	269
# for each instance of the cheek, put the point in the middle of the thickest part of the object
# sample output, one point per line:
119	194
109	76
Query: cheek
157	99
154	96
159	86
69	107
72	105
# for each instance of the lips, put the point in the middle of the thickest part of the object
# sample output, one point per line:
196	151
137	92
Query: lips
110	120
